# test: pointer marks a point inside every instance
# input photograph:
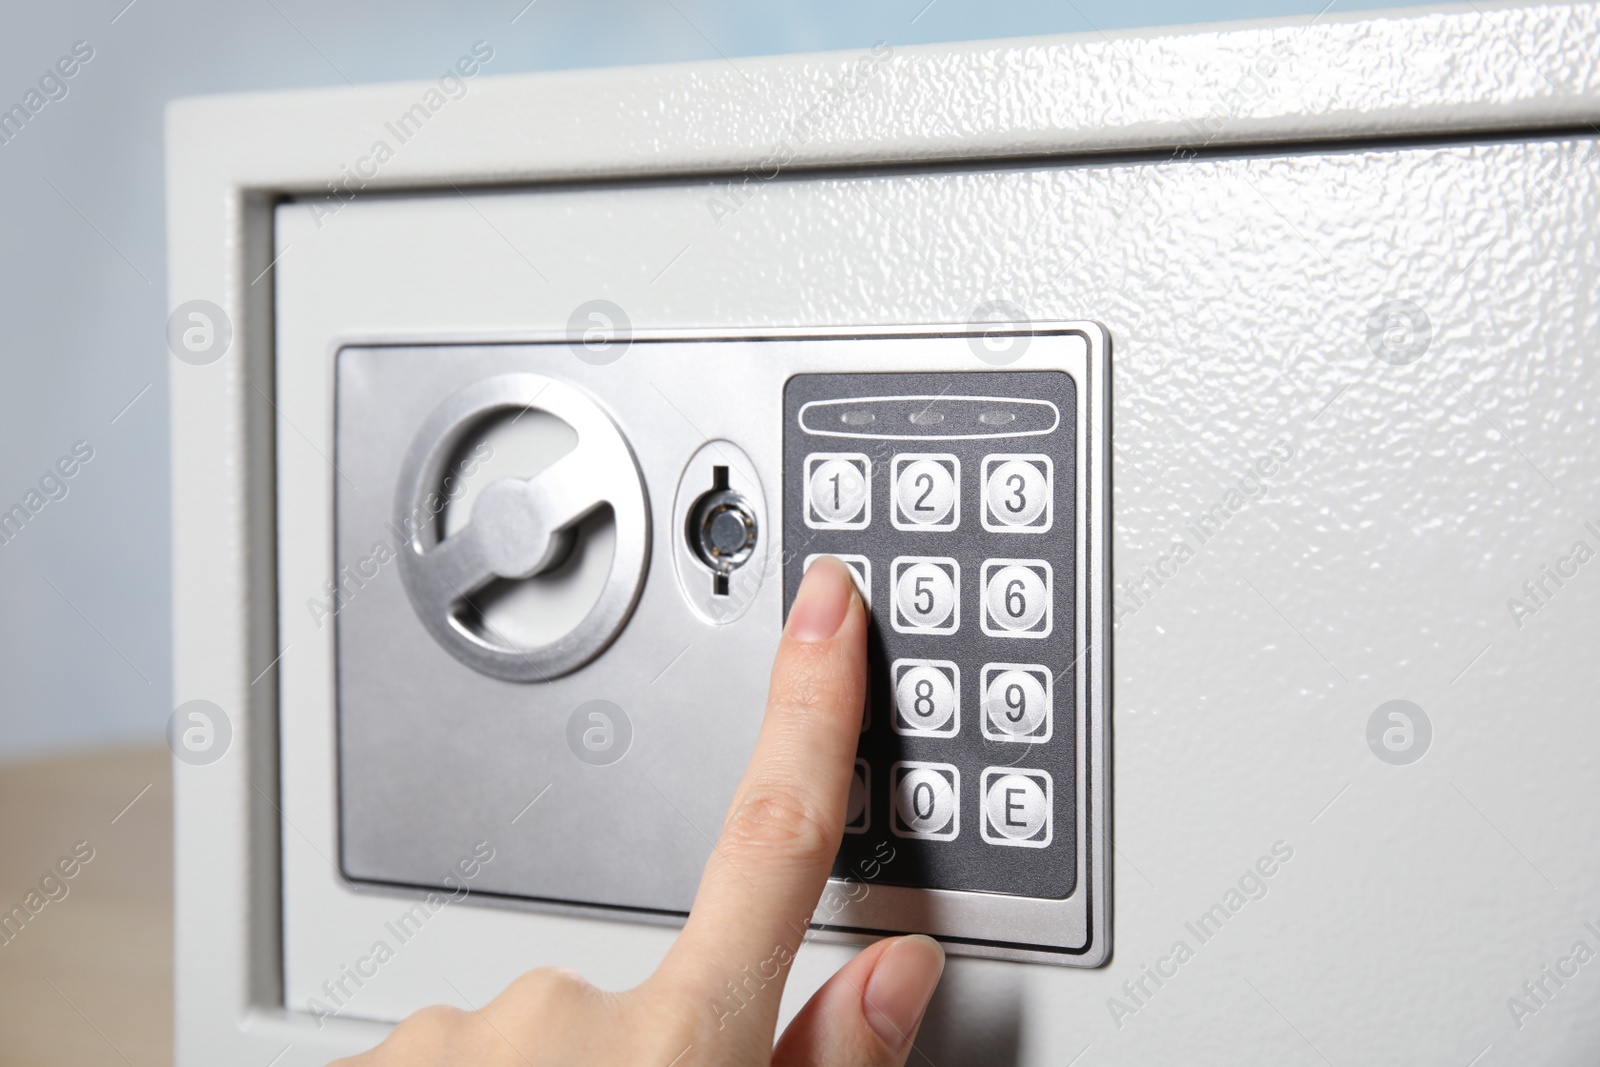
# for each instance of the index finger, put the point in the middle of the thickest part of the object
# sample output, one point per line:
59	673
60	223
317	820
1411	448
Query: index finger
767	871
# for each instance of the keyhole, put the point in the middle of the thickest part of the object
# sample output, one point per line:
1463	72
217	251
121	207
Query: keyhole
722	529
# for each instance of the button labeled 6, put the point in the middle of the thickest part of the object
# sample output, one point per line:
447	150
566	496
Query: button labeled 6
1017	599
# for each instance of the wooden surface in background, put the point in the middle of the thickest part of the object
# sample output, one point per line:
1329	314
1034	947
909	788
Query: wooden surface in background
88	980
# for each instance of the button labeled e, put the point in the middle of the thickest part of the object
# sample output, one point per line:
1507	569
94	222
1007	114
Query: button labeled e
1016	807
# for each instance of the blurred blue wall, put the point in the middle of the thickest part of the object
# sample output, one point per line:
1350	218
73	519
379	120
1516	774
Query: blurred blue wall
84	605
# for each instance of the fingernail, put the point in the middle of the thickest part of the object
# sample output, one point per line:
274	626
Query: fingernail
824	597
900	987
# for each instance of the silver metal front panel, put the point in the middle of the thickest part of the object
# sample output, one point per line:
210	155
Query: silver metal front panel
436	755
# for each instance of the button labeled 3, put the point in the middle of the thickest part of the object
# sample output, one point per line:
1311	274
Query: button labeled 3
1016	807
1017	493
924	800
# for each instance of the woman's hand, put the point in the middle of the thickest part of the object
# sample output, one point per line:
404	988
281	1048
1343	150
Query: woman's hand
756	896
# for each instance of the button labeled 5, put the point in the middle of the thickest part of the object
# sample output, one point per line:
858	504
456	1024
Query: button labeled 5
927	697
925	594
1018	493
926	492
1017	600
838	495
924	800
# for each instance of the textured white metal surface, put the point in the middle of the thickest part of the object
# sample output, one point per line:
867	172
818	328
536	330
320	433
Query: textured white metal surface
1377	564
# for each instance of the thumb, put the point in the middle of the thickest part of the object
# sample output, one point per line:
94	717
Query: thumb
867	1014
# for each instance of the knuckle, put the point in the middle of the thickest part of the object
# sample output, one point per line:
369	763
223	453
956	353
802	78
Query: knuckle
812	685
778	817
805	684
549	985
435	1027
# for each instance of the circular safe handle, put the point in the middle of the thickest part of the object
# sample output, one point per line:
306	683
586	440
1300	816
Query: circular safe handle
518	526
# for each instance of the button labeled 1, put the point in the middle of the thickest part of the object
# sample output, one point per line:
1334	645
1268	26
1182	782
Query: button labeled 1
1017	600
925	600
923	800
1018	493
927	697
926	492
1016	807
1017	702
837	491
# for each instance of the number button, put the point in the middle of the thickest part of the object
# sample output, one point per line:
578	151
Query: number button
927	697
1016	807
925	492
1016	598
860	568
1017	702
1018	494
857	812
924	800
925	600
837	496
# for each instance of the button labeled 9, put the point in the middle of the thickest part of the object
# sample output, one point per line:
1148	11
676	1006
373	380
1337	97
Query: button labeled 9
1017	702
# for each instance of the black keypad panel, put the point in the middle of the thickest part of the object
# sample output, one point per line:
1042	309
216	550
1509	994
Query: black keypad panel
952	499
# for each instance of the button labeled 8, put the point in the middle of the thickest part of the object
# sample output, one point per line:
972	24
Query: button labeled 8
927	695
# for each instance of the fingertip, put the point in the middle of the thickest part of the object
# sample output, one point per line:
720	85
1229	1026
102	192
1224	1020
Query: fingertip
823	601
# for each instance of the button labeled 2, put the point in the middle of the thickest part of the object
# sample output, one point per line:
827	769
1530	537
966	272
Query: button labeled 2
923	800
925	594
926	491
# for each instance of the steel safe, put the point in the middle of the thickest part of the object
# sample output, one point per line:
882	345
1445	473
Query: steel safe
1207	415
